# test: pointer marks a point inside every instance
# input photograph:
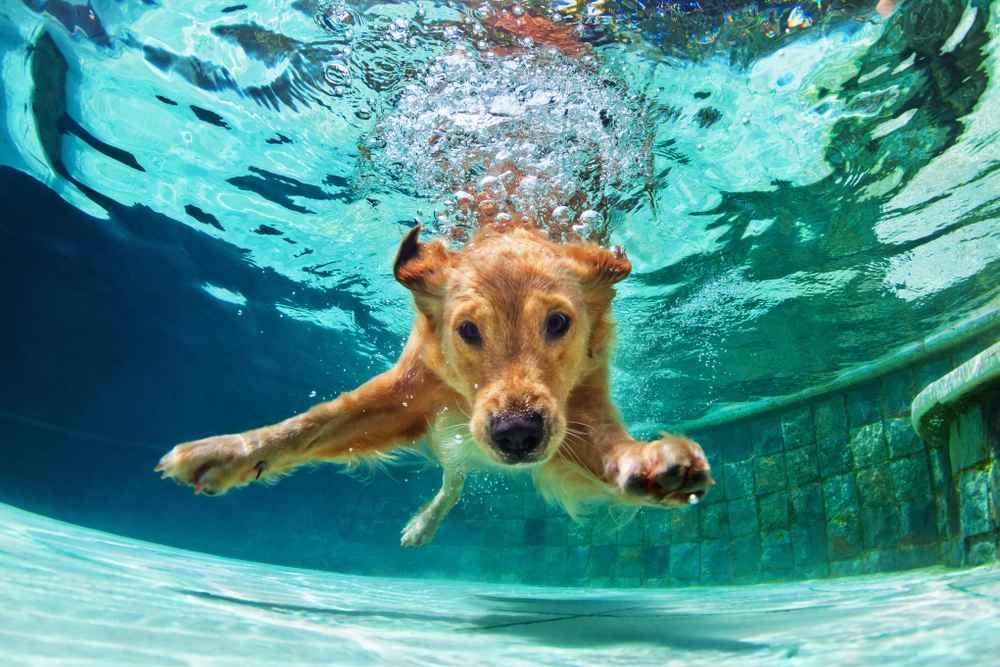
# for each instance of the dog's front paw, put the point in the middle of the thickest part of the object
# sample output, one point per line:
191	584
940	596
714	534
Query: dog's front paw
667	471
213	465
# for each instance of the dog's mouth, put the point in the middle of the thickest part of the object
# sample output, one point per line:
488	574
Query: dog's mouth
524	459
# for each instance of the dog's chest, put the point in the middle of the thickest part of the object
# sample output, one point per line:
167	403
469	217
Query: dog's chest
452	443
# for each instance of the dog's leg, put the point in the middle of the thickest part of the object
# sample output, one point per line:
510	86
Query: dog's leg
390	410
421	528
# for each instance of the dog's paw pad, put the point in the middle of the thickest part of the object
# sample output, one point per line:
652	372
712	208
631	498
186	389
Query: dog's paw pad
211	466
669	471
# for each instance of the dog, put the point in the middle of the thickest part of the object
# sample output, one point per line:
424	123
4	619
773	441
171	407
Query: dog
506	367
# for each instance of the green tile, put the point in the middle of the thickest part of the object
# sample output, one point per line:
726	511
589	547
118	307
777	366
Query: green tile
510	505
835	459
974	499
555	561
714	522
684	524
809	545
576	564
831	422
773	512
843	538
628	564
918	521
737	444
776	556
802	465
868	445
715	562
555	534
745	553
807	506
911	477
601	561
630	533
657	528
739	479
875	486
940	470
656	562
604	529
535	506
743	517
909	557
769	474
967	442
578	533
840	497
880	560
797	427
880	526
903	440
981	550
847	568
534	531
766	434
863	404
685	562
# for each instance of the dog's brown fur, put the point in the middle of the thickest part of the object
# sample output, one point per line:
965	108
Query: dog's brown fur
507	282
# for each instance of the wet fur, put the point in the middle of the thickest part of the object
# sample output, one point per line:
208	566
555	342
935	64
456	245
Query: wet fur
507	281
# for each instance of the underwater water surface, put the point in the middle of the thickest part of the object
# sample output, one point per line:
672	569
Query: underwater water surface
801	188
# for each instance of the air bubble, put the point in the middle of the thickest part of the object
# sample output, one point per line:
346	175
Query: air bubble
488	184
464	122
562	214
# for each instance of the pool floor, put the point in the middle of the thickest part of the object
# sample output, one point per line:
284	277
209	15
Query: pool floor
73	596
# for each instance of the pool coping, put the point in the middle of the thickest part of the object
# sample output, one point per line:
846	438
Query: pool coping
953	388
979	322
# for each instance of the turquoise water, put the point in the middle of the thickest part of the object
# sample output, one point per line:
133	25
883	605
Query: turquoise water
201	205
77	596
840	176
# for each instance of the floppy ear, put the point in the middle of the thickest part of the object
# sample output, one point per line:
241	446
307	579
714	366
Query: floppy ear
599	267
420	266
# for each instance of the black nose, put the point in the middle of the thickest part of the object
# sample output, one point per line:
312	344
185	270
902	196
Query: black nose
517	434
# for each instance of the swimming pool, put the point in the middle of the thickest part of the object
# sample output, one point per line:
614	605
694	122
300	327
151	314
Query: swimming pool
202	201
85	597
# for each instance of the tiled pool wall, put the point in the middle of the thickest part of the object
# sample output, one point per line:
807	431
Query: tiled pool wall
837	485
841	485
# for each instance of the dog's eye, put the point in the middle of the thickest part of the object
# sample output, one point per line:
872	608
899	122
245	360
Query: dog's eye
470	333
557	325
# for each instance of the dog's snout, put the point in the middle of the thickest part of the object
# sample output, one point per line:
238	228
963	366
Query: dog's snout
517	435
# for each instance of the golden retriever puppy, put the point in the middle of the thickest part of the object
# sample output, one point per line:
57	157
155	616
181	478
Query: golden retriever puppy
506	367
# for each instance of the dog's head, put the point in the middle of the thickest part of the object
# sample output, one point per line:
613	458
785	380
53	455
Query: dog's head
514	323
